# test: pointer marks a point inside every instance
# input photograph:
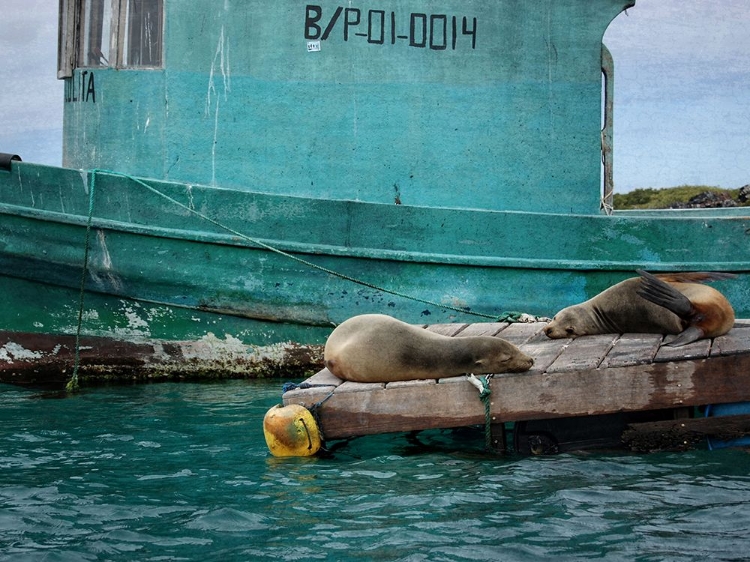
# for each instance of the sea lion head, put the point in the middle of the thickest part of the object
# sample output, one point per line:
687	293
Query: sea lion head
571	322
495	355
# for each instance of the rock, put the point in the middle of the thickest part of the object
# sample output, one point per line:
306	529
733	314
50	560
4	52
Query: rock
707	200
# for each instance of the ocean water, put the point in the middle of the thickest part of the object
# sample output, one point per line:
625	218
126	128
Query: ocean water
180	471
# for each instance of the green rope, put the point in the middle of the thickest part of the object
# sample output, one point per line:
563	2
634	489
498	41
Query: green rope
484	395
482	384
315	411
72	385
505	317
510	317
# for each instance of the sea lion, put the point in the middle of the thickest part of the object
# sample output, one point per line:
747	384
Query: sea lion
676	303
380	348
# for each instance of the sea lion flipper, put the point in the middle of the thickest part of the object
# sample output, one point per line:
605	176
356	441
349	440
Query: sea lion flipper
689	335
662	293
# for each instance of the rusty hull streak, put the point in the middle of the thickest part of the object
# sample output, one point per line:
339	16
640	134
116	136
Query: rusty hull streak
44	360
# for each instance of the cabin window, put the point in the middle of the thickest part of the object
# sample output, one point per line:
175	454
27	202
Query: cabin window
95	40
142	33
110	33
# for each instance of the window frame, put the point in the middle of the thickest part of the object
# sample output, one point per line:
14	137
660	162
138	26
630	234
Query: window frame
67	38
71	37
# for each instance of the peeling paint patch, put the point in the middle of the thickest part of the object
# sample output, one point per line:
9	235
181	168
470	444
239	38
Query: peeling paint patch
85	178
11	351
160	353
135	322
90	315
211	347
235	358
46	359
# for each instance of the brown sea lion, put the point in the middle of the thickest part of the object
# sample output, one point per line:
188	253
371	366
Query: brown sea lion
379	348
676	303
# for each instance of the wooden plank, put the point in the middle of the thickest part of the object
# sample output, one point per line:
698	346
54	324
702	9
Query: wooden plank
404	408
350	387
446	329
601	391
583	353
544	352
324	377
460	379
414	383
696	350
540	336
521	332
736	341
482	329
584	380
531	396
308	397
633	349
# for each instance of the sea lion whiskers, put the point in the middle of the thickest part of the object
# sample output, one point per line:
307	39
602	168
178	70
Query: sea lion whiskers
486	356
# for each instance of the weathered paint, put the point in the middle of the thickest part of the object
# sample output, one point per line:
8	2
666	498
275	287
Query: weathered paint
466	177
470	104
48	360
159	254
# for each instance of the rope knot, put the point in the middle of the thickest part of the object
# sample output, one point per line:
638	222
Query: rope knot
483	386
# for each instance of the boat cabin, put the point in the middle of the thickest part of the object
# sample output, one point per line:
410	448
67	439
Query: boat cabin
471	104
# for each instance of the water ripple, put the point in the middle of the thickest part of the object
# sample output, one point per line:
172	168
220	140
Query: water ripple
181	472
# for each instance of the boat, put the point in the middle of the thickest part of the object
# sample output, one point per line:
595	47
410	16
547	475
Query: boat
247	175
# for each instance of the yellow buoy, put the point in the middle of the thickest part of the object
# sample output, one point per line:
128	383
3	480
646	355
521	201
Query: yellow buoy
291	431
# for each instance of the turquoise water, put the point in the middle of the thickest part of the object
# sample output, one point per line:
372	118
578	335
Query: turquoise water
180	471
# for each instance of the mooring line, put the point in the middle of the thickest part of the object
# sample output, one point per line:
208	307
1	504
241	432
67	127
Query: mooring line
72	385
503	317
483	386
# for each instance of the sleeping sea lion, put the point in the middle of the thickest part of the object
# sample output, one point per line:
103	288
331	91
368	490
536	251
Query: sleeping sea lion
675	303
379	348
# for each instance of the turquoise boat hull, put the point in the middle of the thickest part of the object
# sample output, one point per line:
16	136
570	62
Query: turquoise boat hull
269	267
258	172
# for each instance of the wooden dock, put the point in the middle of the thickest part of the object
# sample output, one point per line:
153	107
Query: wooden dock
589	376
